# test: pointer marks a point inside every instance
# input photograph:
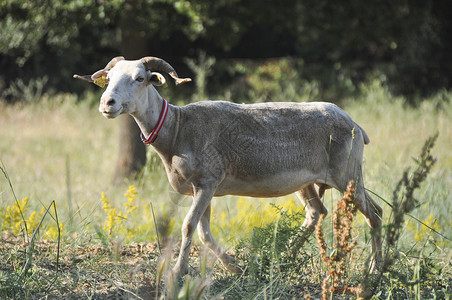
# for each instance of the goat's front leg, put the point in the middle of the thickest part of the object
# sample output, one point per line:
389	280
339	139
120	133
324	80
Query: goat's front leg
207	239
201	200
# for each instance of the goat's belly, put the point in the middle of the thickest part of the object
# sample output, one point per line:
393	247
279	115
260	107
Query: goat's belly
272	186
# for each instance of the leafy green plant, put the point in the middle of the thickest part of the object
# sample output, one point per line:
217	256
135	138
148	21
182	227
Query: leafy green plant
272	80
267	253
202	67
30	92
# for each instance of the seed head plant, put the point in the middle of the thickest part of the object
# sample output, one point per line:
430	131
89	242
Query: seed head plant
335	262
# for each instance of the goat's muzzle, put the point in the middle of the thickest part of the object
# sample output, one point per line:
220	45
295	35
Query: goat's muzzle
109	108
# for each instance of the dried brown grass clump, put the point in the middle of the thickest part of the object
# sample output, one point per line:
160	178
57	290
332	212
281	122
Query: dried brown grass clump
343	215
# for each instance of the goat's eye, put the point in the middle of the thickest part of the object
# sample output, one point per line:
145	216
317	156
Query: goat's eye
140	79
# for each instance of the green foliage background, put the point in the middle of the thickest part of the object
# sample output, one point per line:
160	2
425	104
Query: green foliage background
333	42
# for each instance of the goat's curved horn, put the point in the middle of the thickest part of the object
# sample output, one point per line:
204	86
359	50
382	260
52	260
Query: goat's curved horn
83	77
158	64
107	68
113	62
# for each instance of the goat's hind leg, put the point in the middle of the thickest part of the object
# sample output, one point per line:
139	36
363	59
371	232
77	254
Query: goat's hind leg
314	208
373	214
207	239
312	205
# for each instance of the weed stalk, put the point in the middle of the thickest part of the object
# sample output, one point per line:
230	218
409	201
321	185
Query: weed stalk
29	253
68	189
403	202
156	228
5	173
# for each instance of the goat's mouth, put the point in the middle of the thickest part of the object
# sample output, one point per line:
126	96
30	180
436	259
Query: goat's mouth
110	114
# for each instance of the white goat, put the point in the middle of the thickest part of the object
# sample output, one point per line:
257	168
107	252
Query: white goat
216	148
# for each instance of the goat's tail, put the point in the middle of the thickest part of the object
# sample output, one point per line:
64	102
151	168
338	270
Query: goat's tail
365	136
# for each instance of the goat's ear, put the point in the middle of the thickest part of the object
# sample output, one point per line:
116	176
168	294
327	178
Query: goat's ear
99	74
100	78
156	79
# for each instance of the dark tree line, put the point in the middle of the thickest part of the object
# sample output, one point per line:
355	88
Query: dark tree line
409	41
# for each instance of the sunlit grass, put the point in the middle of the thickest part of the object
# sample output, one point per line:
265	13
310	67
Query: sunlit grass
42	145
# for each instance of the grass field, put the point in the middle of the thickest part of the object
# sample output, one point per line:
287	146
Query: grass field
62	150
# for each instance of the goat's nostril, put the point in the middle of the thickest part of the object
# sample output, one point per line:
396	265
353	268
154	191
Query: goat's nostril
110	102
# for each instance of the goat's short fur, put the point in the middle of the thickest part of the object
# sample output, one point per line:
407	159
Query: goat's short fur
215	148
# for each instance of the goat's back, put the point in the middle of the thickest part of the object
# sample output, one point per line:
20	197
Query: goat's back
256	142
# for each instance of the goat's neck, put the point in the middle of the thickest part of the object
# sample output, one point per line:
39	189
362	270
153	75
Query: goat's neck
147	118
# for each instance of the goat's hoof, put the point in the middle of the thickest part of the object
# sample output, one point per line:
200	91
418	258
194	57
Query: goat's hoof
233	268
229	264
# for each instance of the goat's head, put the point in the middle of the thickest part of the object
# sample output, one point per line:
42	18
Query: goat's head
128	83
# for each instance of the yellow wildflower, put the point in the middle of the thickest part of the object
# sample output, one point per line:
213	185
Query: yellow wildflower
12	218
105	201
131	195
114	223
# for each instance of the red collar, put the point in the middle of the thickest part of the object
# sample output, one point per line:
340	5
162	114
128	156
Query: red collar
151	138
